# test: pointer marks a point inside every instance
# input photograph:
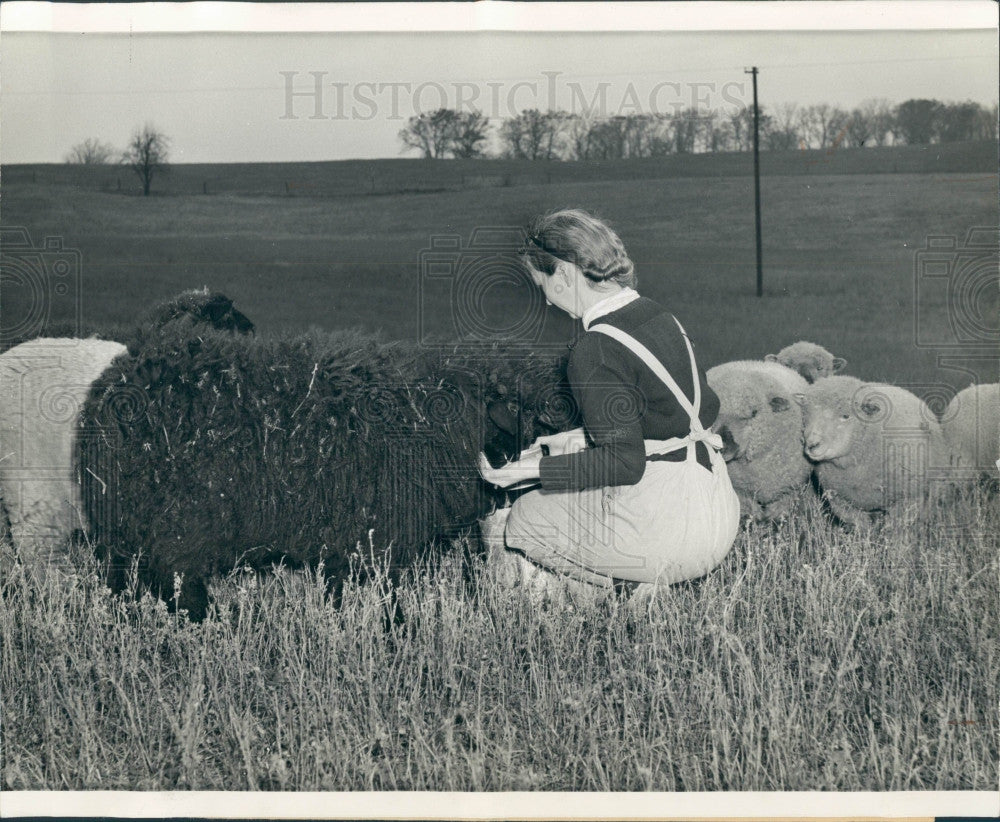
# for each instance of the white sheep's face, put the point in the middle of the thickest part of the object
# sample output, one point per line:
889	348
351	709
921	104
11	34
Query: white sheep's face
821	365
832	425
811	362
740	425
814	368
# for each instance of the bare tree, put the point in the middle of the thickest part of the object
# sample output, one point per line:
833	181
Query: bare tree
711	135
686	125
719	133
870	123
823	125
91	152
882	119
146	155
471	129
741	124
838	126
432	133
606	140
776	138
807	127
621	136
986	125
782	130
741	128
534	134
662	141
579	138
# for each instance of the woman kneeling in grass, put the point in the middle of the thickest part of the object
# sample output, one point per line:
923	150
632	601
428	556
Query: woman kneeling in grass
640	493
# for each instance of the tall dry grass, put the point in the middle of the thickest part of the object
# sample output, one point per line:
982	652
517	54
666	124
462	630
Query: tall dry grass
813	659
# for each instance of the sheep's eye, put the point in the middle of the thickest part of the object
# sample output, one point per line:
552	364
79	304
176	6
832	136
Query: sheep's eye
753	413
845	416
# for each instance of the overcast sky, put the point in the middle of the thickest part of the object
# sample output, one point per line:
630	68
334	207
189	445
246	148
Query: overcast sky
224	96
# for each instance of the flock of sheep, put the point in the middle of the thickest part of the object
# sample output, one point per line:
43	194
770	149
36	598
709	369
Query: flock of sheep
198	446
791	425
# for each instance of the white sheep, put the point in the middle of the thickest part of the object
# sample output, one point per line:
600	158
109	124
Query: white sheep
810	360
971	426
761	428
43	384
874	446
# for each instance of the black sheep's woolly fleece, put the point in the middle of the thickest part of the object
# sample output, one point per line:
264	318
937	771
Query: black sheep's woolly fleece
203	453
200	308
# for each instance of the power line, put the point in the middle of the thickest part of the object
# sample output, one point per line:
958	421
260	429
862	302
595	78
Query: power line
887	60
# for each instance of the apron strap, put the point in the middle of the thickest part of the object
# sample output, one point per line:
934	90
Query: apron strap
698	433
694	373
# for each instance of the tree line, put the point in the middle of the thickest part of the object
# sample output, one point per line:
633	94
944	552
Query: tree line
562	135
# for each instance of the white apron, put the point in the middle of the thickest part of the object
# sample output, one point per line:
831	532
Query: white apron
678	522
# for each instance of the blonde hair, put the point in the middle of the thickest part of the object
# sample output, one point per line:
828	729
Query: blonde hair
580	238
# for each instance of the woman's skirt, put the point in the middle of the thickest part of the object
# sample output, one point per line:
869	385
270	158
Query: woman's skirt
677	523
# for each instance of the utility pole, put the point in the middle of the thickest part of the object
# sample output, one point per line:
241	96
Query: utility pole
756	179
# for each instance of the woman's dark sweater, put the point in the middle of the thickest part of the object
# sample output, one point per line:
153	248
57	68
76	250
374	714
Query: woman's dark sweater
623	402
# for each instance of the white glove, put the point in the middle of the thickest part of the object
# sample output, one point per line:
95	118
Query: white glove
565	442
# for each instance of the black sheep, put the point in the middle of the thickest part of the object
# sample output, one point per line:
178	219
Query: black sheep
49	512
208	451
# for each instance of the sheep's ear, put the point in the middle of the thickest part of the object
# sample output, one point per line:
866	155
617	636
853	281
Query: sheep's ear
770	358
800	398
839	364
243	323
502	417
870	408
780	404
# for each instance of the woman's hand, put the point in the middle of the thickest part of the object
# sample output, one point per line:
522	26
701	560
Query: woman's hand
565	442
520	470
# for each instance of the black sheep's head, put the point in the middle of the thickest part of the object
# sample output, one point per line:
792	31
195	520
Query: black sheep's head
202	308
524	404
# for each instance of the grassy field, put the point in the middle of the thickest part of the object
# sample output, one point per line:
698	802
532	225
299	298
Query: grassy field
351	178
839	257
812	659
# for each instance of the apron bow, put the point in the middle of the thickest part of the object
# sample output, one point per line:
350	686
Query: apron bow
700	434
